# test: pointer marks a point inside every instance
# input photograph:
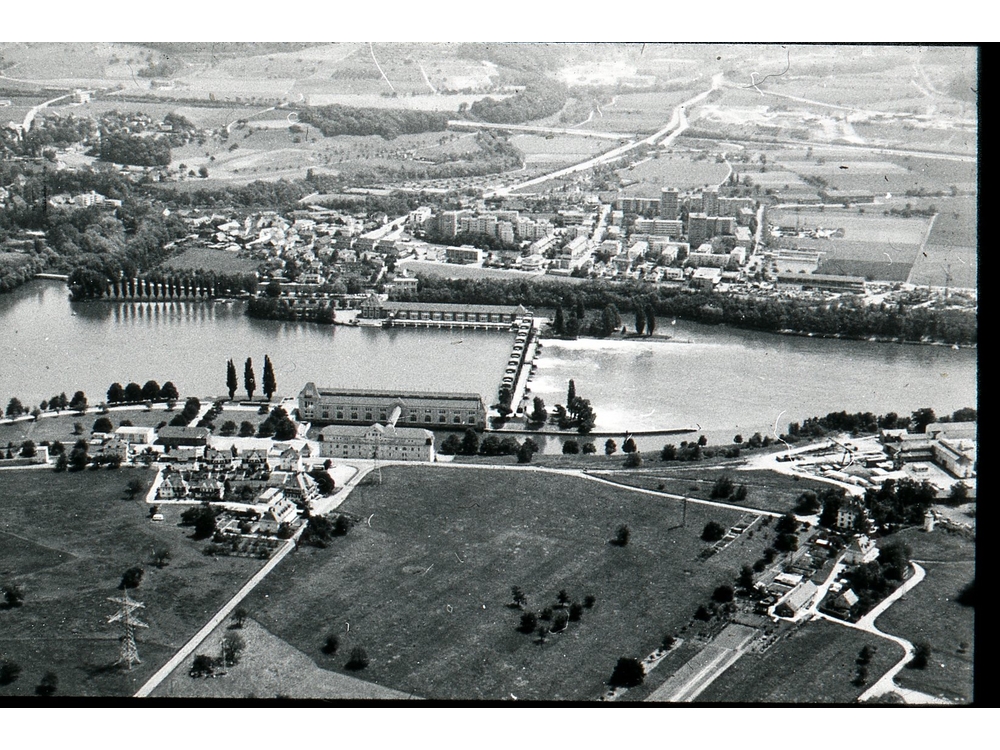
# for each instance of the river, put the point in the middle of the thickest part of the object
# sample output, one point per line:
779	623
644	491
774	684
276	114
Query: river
724	380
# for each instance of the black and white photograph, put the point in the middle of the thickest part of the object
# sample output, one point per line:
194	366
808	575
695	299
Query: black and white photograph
488	372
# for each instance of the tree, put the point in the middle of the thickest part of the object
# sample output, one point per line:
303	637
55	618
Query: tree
450	445
131	578
921	655
589	601
628	672
713	531
133	488
270	383
650	320
722	488
702	440
958	494
470	443
669	452
622	536
518	596
13	594
786	542
202	665
524	453
633	460
9	671
563	597
723	593
47	687
78	402
559	324
575	612
571	447
921	418
62	463
529	621
168	392
629	445
78	457
539	413
247	429
249	381
28	449
588	448
559	622
741	494
14	408
161	557
133	392
232	383
808	503
103	424
228	428
150	391
331	645
865	655
610	447
640	320
786	524
571	397
746	578
738	439
232	648
358	659
965	414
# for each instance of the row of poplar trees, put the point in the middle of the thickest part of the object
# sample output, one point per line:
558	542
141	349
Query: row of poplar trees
269	386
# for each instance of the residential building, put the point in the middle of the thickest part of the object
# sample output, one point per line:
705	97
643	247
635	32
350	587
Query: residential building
797	599
464	255
669	203
860	551
136	435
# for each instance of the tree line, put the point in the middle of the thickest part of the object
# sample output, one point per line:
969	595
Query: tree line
847	317
337	119
269	383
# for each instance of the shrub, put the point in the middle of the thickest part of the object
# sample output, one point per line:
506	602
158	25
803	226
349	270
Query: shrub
589	601
722	488
560	621
628	672
575	612
571	447
723	594
546	614
633	460
13	594
331	645
202	666
9	671
47	687
622	535
703	613
921	654
358	659
529	621
668	642
713	531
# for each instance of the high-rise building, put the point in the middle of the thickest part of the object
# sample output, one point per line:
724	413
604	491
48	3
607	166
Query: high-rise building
669	200
710	201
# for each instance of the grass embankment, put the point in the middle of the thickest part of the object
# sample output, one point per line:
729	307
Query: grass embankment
66	539
930	613
61	427
424	581
815	663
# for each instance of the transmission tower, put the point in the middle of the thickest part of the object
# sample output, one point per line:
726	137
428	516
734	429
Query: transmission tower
129	653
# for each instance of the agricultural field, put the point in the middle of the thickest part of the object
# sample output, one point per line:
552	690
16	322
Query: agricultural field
858	228
424	578
454	271
938	174
930	613
558	150
679	170
643	113
937	263
766	490
66	539
814	663
210	259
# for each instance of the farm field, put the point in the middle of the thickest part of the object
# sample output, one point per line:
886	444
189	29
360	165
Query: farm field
209	259
814	663
558	150
641	113
269	668
424	579
857	228
956	221
936	262
673	170
66	539
930	613
766	490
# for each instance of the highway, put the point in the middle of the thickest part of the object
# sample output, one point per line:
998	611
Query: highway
666	136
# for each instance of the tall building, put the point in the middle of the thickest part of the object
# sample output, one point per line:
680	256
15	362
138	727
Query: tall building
710	201
669	201
697	229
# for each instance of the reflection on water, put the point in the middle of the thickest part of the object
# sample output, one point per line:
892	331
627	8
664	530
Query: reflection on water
52	345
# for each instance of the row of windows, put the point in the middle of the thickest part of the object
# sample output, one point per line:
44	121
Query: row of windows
412	417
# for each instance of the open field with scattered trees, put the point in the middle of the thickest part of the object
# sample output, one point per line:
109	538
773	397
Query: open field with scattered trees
934	613
66	540
815	663
423	582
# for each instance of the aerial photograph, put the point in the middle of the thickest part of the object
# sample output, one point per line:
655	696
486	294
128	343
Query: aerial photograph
557	373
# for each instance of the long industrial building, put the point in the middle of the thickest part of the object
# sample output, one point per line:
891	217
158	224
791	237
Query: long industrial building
441	314
430	410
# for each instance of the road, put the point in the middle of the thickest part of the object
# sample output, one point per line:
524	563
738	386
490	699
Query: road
29	118
677	125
